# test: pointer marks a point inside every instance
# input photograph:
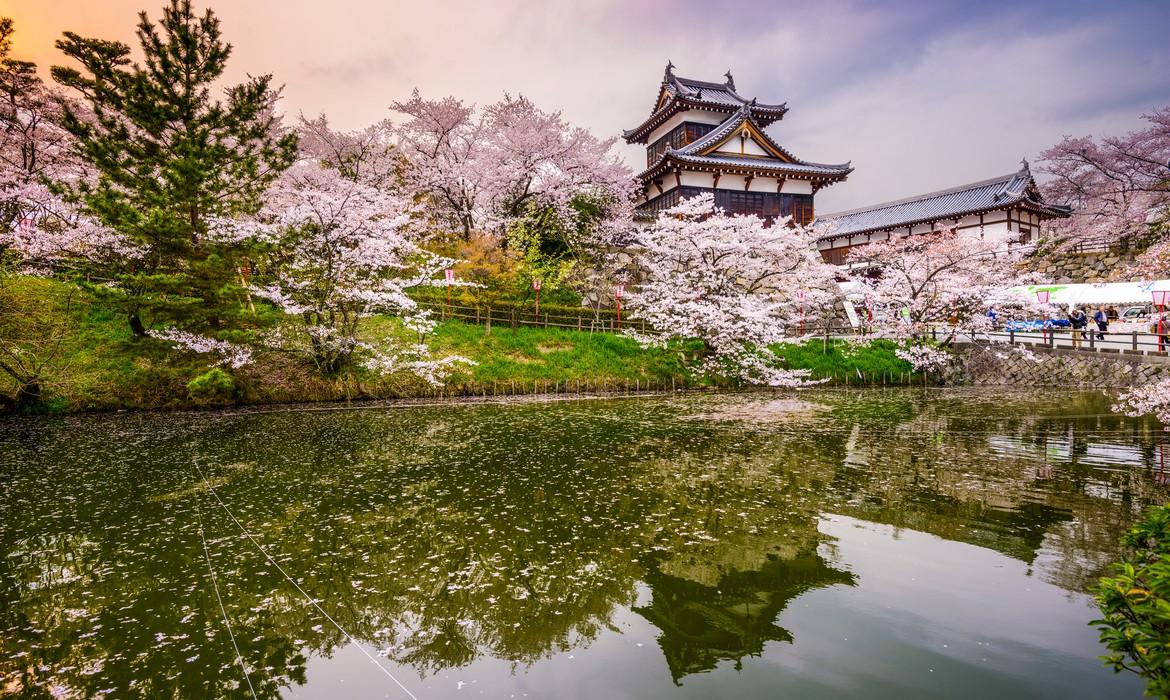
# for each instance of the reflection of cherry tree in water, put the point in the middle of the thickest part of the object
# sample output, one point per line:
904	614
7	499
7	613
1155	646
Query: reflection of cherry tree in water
1160	476
1031	485
380	519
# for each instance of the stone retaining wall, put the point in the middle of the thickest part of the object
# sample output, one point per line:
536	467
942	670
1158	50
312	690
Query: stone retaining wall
1068	268
1002	365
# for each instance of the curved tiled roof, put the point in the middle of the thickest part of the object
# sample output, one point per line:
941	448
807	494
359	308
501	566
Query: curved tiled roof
688	93
716	93
798	167
693	154
729	127
1014	189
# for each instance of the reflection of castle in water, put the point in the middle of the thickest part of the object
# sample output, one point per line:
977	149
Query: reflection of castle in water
702	625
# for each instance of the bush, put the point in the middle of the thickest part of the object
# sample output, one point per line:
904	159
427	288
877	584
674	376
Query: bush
1135	604
214	387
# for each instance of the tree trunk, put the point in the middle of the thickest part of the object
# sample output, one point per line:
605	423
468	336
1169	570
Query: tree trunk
26	395
136	326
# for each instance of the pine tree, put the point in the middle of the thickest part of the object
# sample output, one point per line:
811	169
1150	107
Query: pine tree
169	160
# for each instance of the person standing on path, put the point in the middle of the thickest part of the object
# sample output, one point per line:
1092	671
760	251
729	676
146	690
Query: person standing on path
1102	319
1077	322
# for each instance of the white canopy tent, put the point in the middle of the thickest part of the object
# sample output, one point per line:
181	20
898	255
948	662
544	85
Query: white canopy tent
1103	293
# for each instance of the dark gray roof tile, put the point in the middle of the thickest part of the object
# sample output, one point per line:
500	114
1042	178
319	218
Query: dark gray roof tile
1018	188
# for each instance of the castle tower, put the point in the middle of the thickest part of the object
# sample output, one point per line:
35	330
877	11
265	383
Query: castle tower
704	137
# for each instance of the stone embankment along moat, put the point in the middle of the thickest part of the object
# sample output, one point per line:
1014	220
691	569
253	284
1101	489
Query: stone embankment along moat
1056	367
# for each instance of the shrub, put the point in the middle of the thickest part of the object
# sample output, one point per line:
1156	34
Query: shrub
212	388
1135	604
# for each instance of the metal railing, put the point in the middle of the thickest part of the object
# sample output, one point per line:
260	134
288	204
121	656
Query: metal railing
1129	342
1086	340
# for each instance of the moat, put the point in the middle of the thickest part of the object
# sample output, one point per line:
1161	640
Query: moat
824	544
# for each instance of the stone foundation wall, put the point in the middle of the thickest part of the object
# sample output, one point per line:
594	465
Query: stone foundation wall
1002	365
1070	268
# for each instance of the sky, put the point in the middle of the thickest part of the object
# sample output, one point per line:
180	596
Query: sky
917	95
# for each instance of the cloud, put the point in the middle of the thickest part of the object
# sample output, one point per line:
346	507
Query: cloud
919	95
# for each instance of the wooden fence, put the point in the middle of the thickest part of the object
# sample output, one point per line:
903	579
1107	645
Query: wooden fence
584	320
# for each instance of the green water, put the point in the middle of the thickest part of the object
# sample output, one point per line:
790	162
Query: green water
882	544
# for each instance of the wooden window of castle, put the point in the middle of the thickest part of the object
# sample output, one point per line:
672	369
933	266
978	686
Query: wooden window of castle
694	132
802	209
746	203
676	138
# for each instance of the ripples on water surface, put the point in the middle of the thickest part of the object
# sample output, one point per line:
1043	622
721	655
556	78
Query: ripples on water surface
884	544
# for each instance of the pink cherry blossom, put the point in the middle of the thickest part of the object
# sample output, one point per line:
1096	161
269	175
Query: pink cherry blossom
1152	399
230	354
945	277
925	358
731	282
344	248
1117	185
482	171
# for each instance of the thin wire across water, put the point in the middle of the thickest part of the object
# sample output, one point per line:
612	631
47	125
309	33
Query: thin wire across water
308	597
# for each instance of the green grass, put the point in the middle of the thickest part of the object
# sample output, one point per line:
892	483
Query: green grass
101	366
551	354
840	361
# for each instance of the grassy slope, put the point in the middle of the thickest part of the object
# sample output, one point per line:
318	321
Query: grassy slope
842	362
101	367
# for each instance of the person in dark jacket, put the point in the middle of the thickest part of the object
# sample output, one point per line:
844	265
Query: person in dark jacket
1102	319
1077	320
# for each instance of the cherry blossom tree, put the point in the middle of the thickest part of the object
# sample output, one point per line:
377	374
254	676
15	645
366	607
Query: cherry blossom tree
342	248
729	282
443	145
945	277
486	170
1117	185
924	358
38	229
1152	399
31	143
